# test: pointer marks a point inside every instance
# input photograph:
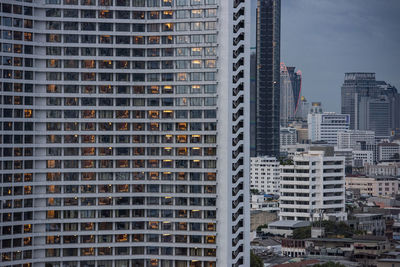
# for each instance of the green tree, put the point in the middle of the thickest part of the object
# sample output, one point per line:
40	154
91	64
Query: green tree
302	232
255	261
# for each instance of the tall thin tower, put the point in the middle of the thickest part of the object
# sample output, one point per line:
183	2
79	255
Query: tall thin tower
125	133
268	78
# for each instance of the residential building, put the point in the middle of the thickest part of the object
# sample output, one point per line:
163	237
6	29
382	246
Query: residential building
288	136
265	174
325	126
383	169
264	202
290	94
312	186
374	186
268	77
124	137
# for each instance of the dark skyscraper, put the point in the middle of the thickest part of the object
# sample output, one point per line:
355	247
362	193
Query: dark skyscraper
268	78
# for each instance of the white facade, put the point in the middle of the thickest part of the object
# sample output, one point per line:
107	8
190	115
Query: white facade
325	126
264	203
387	151
288	136
126	133
265	174
383	169
362	157
356	139
313	186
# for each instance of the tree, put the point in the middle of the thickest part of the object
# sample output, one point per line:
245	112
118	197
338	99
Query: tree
302	232
255	261
254	191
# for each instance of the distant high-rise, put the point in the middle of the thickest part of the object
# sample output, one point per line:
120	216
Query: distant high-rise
268	78
124	134
371	104
304	109
325	126
290	91
356	85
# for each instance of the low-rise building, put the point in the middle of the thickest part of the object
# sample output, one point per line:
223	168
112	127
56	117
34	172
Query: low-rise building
362	157
383	169
285	228
265	175
373	224
264	202
374	186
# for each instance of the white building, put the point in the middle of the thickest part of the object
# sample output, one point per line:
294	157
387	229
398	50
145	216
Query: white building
383	169
356	139
288	136
125	133
312	186
325	126
265	174
362	157
388	151
264	202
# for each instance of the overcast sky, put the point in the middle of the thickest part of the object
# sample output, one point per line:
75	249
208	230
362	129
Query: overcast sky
326	38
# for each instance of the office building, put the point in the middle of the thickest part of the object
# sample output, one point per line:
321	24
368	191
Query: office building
268	77
371	104
110	112
303	109
290	94
388	151
313	186
265	175
325	126
356	139
376	115
355	86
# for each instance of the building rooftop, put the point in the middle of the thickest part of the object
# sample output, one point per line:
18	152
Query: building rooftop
288	223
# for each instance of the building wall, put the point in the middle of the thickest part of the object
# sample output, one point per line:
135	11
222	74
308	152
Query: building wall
373	186
313	183
265	174
268	77
110	154
324	127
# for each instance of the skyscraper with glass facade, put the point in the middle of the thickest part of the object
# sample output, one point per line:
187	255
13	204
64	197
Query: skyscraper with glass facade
124	133
267	93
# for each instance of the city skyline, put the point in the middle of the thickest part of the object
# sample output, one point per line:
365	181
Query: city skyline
326	38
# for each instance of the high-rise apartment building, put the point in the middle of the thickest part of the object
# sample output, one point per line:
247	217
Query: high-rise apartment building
312	186
290	92
110	111
268	78
325	126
